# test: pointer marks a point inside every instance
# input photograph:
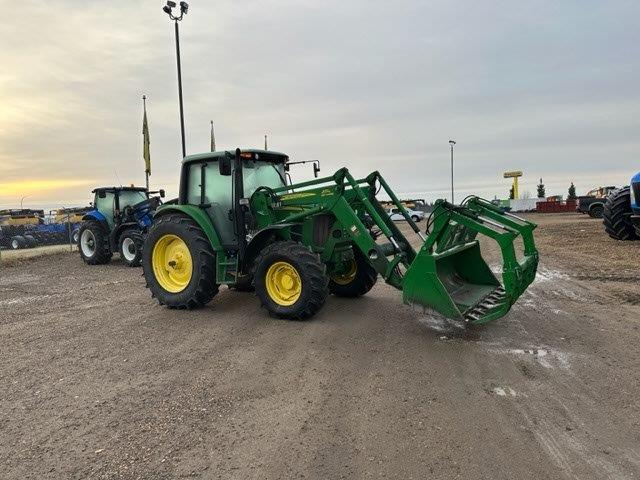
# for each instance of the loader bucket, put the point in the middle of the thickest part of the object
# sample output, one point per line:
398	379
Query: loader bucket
449	274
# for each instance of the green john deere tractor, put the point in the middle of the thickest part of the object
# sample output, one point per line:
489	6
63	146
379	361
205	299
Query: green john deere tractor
237	222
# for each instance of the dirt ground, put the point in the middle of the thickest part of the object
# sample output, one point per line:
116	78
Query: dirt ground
97	381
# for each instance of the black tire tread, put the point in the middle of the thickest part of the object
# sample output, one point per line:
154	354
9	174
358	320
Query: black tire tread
616	215
204	288
135	235
315	288
103	255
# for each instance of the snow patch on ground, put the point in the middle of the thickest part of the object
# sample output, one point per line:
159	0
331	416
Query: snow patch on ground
547	275
546	357
504	391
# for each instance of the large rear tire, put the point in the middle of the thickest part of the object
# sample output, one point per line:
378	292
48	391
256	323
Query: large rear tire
93	243
617	211
358	279
179	263
290	280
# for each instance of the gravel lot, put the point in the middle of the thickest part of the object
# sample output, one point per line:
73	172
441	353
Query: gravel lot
97	381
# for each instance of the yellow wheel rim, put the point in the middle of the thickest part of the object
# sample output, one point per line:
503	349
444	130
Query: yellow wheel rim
346	277
172	263
283	283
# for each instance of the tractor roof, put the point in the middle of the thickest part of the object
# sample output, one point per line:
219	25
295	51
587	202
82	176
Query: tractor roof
119	189
257	154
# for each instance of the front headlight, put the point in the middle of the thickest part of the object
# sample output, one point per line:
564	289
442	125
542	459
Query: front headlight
633	194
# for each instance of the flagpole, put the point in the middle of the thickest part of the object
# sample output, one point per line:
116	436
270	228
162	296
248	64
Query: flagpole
145	142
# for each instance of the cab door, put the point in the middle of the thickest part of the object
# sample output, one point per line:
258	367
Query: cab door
106	206
217	197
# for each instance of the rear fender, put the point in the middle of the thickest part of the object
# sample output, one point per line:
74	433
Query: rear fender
197	215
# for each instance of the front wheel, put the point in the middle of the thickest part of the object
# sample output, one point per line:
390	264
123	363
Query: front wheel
356	278
597	211
415	218
130	247
290	280
179	263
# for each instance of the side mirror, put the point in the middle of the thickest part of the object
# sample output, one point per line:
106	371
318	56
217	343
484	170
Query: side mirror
102	194
161	192
316	169
225	166
287	167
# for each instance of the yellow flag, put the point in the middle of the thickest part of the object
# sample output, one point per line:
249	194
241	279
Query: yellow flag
146	154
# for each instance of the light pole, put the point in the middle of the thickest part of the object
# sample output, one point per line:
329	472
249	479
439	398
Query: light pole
168	9
22	200
452	143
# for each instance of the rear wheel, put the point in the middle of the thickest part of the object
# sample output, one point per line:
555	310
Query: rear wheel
179	263
356	279
130	248
415	218
290	280
93	243
617	212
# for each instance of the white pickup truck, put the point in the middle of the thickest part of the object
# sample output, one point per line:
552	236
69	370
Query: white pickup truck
394	213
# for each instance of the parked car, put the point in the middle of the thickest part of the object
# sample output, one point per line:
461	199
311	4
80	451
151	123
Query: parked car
593	202
416	215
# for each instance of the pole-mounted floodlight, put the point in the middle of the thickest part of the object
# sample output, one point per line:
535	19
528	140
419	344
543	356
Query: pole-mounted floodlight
452	143
168	9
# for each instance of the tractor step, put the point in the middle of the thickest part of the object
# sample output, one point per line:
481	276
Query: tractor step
226	270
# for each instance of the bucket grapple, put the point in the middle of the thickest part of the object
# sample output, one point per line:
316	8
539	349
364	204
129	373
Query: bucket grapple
449	273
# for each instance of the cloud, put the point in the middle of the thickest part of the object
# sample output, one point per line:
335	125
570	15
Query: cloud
546	87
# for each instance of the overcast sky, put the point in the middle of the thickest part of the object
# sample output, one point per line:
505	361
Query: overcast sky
547	87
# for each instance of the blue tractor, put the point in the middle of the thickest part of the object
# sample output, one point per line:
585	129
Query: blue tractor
118	222
622	212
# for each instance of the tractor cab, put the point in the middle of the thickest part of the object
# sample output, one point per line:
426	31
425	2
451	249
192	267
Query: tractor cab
111	201
213	180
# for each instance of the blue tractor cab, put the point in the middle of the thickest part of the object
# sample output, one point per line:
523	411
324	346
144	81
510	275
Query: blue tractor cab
118	222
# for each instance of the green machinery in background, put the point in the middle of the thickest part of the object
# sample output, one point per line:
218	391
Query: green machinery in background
237	222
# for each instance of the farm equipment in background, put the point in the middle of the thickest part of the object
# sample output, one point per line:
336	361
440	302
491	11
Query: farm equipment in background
26	228
17	225
622	212
593	202
118	223
237	222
